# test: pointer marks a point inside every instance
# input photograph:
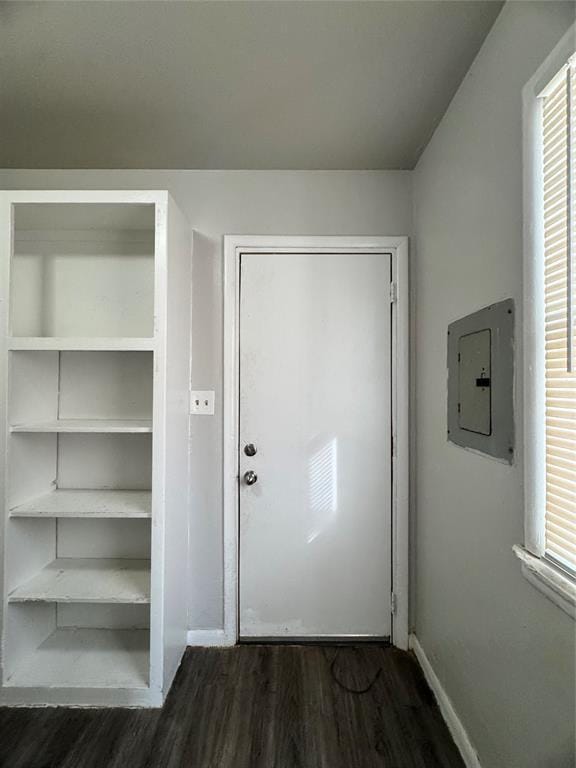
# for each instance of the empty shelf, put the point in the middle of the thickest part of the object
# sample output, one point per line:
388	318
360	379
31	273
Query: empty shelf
92	504
86	425
80	344
90	658
91	580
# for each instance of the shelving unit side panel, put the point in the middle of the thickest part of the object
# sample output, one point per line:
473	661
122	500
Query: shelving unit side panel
33	386
27	308
176	457
32	466
31	545
26	630
158	449
5	254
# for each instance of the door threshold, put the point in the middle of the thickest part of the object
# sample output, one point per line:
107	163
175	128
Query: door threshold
318	640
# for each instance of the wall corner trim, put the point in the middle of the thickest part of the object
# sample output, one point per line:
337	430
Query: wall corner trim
455	726
208	638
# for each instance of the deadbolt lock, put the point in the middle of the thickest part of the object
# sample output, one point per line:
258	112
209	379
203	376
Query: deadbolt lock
250	449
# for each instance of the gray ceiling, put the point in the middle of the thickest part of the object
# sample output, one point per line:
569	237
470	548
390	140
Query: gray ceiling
258	85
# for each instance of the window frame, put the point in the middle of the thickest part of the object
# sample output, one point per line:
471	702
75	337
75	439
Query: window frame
550	579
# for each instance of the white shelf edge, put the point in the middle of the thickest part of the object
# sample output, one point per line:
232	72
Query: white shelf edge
77	344
108	426
87	504
88	580
13	694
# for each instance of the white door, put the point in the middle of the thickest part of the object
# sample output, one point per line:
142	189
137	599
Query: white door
315	402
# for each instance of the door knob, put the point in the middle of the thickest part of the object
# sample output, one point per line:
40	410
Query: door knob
250	477
250	449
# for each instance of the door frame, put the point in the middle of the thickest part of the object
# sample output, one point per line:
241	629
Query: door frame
397	248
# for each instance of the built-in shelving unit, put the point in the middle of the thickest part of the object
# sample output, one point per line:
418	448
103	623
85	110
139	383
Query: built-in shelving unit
95	343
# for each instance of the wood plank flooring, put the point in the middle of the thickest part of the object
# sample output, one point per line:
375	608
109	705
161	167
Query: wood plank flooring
253	706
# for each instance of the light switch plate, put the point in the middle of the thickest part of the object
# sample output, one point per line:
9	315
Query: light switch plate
202	402
481	381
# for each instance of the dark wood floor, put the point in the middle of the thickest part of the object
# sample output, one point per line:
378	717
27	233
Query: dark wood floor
253	706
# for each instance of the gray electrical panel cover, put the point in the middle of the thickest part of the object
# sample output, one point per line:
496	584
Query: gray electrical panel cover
481	381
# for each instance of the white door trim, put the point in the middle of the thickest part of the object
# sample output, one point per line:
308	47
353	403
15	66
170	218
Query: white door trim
234	246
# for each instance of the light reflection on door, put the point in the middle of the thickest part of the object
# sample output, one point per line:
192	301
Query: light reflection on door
323	486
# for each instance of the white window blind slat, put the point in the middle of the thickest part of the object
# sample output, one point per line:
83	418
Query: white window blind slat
562	530
559	147
558	512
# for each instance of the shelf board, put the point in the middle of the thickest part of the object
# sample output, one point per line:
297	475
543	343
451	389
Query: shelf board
90	580
87	425
88	658
72	343
87	504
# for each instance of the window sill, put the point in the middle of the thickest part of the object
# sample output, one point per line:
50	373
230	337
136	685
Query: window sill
549	580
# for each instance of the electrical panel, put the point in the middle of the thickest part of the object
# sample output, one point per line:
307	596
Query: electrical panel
481	381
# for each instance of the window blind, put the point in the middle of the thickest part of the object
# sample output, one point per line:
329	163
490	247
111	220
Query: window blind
559	149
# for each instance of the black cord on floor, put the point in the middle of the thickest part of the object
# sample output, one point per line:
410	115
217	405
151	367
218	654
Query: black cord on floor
344	686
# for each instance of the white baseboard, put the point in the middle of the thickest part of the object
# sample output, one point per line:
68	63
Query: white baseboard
208	637
469	754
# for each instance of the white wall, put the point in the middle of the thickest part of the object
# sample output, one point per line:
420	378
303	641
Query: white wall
239	202
504	653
